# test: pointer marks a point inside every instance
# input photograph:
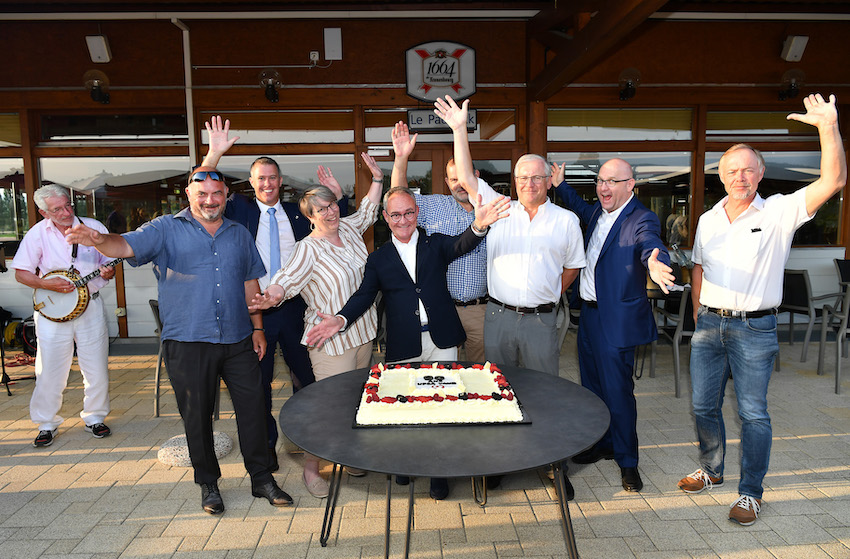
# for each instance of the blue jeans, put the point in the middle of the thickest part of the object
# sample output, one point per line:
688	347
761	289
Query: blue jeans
746	349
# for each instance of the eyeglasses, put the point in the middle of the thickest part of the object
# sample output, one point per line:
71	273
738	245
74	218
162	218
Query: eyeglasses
610	182
323	210
62	209
536	179
201	176
396	217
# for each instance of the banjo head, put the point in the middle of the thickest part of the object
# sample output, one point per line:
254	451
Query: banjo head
61	307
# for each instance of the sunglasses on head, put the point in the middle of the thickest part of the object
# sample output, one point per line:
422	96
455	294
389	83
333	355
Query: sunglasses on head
201	176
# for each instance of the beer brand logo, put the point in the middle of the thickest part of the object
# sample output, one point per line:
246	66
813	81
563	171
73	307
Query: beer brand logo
440	68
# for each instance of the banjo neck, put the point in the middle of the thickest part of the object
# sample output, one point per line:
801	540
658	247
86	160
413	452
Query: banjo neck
85	279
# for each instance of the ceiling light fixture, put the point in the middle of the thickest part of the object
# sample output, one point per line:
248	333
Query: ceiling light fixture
270	80
629	80
792	81
97	85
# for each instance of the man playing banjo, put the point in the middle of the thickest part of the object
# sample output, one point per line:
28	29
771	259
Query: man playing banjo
43	251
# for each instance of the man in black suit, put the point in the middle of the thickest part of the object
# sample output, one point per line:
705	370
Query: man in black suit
283	325
410	271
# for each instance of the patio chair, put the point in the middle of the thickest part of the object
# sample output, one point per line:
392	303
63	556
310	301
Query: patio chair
797	299
835	318
676	326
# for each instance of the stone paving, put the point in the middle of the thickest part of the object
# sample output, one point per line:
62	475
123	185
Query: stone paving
85	498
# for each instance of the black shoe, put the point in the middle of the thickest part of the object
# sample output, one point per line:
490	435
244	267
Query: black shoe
439	488
276	496
631	479
211	498
493	482
593	455
402	480
273	465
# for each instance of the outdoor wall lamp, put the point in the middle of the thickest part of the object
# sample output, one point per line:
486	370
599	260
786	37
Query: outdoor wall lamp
792	80
270	80
97	85
629	80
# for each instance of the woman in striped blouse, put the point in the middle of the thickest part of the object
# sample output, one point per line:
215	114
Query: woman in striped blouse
326	268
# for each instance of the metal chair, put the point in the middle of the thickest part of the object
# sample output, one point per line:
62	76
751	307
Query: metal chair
835	318
158	374
797	299
675	327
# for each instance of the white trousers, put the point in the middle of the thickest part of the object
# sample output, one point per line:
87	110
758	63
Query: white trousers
430	352
53	363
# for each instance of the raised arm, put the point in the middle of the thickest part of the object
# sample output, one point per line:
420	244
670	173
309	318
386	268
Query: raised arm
377	185
833	168
456	117
403	145
326	178
219	141
108	244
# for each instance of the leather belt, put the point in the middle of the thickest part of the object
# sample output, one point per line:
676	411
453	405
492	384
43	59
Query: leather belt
743	315
547	307
591	304
479	301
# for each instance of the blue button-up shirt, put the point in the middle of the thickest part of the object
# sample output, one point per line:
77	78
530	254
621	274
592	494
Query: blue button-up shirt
201	278
467	275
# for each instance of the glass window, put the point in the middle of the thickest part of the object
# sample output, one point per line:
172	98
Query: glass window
741	126
785	172
288	127
662	179
494	125
106	127
121	192
495	172
589	125
13	200
10	130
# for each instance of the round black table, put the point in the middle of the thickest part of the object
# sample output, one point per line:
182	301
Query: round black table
565	420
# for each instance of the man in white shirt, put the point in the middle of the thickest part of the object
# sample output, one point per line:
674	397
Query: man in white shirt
740	251
42	250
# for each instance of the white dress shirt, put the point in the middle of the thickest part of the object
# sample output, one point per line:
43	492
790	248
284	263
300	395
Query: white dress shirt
594	249
287	237
407	252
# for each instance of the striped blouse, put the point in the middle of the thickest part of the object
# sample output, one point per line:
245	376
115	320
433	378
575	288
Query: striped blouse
327	275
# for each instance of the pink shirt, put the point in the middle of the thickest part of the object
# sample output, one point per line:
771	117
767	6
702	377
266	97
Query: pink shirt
44	248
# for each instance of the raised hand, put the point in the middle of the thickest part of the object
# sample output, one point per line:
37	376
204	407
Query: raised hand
219	141
661	273
818	111
261	301
558	173
488	214
448	110
326	178
323	331
370	162
403	143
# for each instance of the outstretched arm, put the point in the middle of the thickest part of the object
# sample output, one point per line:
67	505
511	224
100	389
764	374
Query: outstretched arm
403	145
325	330
377	185
456	117
488	214
108	244
833	167
661	273
219	140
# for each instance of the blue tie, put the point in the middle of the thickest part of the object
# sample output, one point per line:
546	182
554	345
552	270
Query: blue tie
274	244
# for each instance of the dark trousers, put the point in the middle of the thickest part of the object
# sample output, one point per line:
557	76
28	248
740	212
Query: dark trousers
194	369
284	327
607	372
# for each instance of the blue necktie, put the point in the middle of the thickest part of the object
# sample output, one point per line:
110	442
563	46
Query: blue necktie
274	244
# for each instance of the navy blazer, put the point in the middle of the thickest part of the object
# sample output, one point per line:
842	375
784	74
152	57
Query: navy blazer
245	210
621	269
385	272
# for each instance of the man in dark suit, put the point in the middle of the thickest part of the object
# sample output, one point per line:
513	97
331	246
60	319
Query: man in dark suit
410	271
622	242
283	325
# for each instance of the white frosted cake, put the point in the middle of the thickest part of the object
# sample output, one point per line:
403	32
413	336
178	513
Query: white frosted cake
400	395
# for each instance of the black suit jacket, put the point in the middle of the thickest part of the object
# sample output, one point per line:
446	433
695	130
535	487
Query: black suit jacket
385	272
245	211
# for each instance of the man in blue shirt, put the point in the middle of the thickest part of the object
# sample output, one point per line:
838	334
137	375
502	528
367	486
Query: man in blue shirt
451	215
202	261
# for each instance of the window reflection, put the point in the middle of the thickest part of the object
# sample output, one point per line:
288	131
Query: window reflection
121	192
589	125
785	172
288	127
662	179
13	202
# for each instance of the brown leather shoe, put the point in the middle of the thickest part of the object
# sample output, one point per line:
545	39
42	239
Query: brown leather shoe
276	496
699	480
745	511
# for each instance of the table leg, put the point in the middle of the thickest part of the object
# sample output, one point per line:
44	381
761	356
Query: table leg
566	522
479	490
330	506
409	519
387	526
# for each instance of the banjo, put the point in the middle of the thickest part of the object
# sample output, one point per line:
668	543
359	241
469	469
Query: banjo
62	307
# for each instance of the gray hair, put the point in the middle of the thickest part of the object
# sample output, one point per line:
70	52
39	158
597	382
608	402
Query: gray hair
398	190
737	147
307	202
529	157
49	191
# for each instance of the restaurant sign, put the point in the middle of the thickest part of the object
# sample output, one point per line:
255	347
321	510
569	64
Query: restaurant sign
440	68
